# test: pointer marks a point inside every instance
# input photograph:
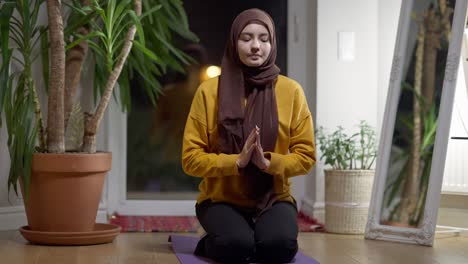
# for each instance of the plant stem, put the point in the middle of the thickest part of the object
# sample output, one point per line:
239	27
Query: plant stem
410	192
38	113
74	62
55	117
92	122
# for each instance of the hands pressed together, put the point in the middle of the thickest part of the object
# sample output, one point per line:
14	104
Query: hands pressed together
253	151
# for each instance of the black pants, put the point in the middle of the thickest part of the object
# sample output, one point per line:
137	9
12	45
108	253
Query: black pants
233	237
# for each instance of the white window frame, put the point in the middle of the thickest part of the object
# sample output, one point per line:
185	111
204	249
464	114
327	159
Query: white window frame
116	131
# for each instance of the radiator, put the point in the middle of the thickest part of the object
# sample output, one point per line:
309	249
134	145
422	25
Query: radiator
456	163
456	166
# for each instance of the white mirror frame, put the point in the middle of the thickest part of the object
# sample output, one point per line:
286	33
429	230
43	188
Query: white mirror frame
424	235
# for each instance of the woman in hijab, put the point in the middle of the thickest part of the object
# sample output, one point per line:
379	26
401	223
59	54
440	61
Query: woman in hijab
247	133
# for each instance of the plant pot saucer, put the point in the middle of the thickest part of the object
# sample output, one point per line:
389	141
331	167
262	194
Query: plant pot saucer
102	233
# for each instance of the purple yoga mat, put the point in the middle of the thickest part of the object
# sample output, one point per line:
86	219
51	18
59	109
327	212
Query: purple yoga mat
184	246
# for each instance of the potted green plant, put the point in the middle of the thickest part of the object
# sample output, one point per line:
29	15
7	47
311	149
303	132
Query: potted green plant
120	39
348	183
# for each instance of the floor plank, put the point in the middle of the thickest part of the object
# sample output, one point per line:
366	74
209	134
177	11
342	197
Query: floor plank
153	248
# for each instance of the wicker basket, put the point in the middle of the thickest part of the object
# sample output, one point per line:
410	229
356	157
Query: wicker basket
347	197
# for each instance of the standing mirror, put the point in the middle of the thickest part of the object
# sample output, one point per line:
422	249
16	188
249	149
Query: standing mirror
416	126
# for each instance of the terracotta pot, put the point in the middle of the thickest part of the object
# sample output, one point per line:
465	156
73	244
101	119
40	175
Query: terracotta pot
65	191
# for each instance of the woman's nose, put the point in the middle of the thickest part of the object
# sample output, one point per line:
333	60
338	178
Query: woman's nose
255	45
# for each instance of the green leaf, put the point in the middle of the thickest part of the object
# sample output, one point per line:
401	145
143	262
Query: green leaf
100	78
123	7
146	75
22	134
181	13
74	25
124	85
4	76
6	12
146	51
109	15
80	38
98	50
35	12
139	29
183	32
150	12
170	47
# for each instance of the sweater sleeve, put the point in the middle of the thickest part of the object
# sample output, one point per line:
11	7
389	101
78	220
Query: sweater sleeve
301	156
196	159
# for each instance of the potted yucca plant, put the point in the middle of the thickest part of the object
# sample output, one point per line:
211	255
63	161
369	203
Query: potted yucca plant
348	183
119	40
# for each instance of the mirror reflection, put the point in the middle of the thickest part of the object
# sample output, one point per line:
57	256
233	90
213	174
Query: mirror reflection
415	126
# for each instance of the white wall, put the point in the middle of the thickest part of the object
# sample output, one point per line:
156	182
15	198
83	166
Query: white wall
339	93
389	12
350	91
346	91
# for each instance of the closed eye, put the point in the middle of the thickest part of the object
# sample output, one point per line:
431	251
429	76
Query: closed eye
245	37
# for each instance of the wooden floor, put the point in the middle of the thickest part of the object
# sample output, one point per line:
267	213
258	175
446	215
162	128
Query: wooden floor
142	248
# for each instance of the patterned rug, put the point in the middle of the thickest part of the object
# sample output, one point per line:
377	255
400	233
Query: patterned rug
138	223
309	224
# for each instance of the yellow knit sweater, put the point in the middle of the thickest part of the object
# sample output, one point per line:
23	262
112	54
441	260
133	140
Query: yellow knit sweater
294	152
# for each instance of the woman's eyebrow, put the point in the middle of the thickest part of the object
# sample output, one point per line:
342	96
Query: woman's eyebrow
251	34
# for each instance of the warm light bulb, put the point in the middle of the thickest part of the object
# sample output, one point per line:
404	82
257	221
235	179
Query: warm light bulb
213	71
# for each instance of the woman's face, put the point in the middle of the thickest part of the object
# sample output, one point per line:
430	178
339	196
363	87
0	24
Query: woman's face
254	45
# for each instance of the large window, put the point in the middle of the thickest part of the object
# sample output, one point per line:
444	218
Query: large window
154	135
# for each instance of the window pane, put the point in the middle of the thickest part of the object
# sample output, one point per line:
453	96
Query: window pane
154	135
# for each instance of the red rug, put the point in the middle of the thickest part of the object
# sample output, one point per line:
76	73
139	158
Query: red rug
138	223
309	224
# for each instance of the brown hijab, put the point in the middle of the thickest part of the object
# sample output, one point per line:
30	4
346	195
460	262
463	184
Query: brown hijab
236	121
